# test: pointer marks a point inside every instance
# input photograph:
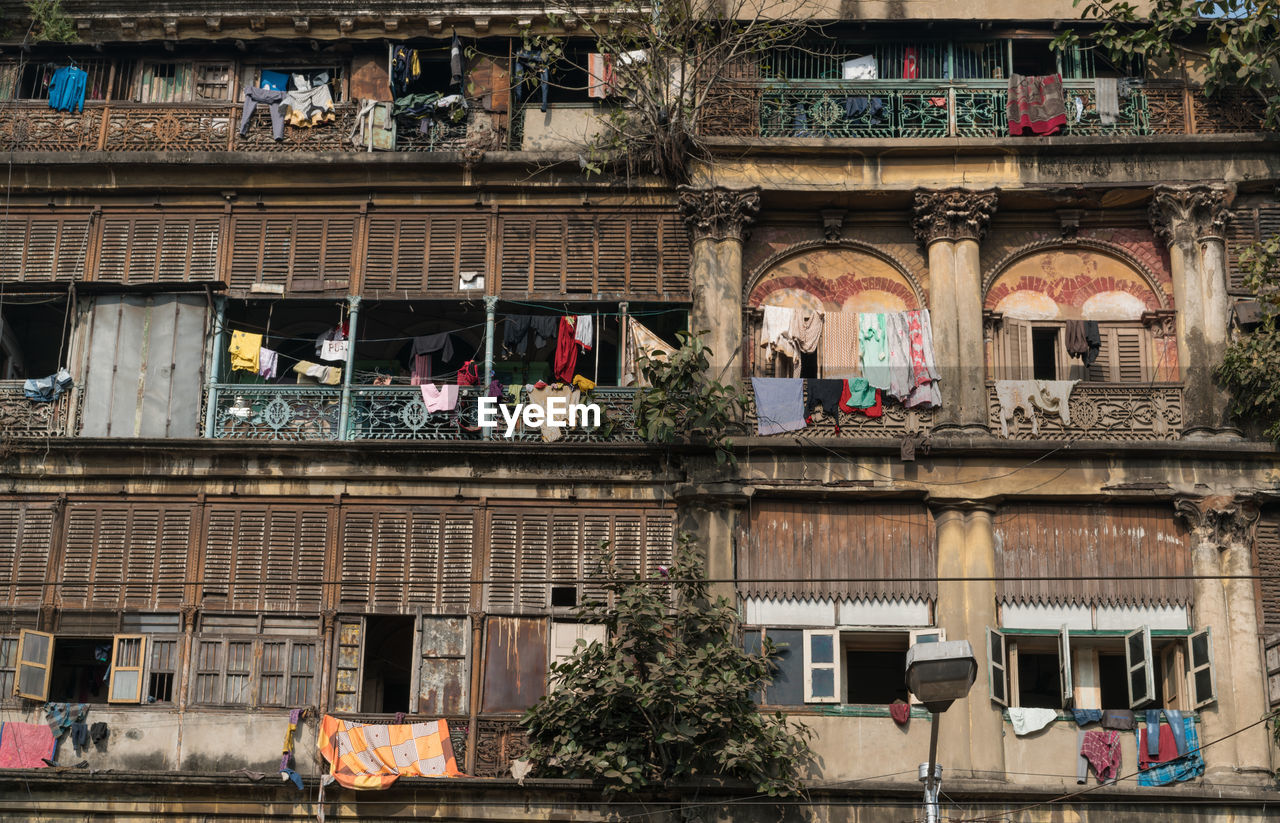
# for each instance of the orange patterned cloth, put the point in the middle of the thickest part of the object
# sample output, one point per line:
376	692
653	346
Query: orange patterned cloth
364	756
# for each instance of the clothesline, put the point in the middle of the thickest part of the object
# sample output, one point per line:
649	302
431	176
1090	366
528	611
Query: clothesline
263	330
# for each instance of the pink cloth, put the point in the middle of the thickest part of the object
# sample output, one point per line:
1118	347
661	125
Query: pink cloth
1102	749
22	745
900	712
421	369
439	398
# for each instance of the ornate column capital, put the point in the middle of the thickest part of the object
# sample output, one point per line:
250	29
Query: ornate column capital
718	213
1188	213
1222	520
951	214
1161	323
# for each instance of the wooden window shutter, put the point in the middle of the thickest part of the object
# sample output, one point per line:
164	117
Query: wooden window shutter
313	542
581	266
357	555
518	560
515	259
142	543
1242	231
596	528
473	234
126	556
277	250
393	247
220	539
534	538
128	651
390	546
174	560
46	246
131	250
566	551
350	652
659	540
1014	351
548	255
296	251
1131	355
457	561
628	543
1267	543
422	575
443	254
643	255
247	253
611	240
504	548
674	240
295	550
35	662
247	567
26	536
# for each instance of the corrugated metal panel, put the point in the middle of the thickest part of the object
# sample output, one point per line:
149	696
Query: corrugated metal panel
790	548
444	677
146	356
1268	543
515	665
1066	543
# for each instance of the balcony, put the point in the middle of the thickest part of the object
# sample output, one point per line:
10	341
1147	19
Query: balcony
1100	411
898	109
23	418
896	422
305	413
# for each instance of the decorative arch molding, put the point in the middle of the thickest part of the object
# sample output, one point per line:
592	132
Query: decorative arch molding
1113	250
799	249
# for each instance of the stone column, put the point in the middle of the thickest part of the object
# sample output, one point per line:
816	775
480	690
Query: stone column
1191	220
711	512
971	731
950	223
1222	528
718	220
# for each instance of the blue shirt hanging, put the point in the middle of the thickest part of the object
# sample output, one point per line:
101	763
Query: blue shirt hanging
66	89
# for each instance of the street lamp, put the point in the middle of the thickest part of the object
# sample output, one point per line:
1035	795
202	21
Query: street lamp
938	674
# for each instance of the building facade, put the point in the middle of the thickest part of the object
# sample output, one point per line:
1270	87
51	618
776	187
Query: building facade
195	544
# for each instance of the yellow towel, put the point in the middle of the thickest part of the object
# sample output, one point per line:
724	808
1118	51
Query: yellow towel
244	349
583	383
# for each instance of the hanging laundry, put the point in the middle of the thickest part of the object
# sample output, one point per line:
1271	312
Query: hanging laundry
539	395
25	745
47	389
900	712
1026	721
335	333
468	375
1102	750
779	404
584	332
365	756
910	63
528	65
245	350
1119	719
432	343
840	345
924	371
439	398
268	363
1049	396
825	394
269	98
495	389
601	77
775	333
860	68
1106	96
873	344
1074	338
273	80
1162	772
1086	716
806	329
1036	104
328	375
583	383
332	350
898	343
66	89
406	70
566	362
859	395
419	369
307	104
456	66
1093	339
641	341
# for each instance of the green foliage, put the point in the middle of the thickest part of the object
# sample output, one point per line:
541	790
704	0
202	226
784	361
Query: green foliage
1236	41
667	697
1251	366
49	23
676	55
682	402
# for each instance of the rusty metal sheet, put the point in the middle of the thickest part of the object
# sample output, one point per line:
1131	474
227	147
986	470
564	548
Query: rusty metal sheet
515	668
1067	543
443	686
790	547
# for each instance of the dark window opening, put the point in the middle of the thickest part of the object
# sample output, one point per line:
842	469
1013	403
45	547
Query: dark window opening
1044	353
80	668
876	677
388	659
1033	57
808	364
1039	681
1112	686
34	338
564	596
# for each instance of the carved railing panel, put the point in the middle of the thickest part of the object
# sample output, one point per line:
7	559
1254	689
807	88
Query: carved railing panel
1083	118
36	127
1100	412
399	413
896	422
277	412
498	742
20	417
169	128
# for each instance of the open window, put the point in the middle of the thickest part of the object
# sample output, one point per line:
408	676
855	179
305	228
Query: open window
567	639
1138	667
1025	350
127	659
1204	687
400	663
997	680
35	664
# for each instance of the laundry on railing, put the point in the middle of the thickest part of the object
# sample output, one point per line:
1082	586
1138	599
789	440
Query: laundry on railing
1036	104
46	389
1049	396
67	88
309	101
269	98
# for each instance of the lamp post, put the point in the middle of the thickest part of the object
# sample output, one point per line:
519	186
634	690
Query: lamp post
938	674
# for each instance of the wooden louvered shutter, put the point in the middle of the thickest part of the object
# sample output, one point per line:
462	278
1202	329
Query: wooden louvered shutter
396	252
26	537
422	569
357	555
1242	231
580	264
442	255
390	546
1267	544
247	262
642	254
215	573
174	558
518	558
350	652
659	541
323	249
549	254
534	538
596	528
1013	351
503	565
515	258
674	251
1131	355
473	247
457	562
613	253
142	544
43	247
249	555
295	549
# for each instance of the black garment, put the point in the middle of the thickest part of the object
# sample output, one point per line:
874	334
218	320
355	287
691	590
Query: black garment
1094	339
1122	719
516	328
80	736
431	343
824	393
98	733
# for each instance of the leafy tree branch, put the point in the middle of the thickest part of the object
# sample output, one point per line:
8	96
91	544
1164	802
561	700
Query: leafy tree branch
1252	362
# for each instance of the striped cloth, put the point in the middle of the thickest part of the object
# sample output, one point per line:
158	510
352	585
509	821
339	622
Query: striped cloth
363	756
1187	767
840	345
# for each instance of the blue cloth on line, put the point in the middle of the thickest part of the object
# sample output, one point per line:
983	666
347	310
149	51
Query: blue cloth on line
294	776
66	89
1153	732
1179	733
1086	716
1175	771
779	404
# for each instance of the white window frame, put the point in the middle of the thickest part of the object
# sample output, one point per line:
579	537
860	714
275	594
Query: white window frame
1144	664
997	670
1066	678
810	666
1195	667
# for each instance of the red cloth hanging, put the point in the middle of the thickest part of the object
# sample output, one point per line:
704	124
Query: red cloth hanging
910	63
566	362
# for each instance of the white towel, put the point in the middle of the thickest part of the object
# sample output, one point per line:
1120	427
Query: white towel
1026	721
585	331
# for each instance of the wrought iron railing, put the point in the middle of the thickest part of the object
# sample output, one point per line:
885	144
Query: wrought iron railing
266	412
896	422
20	417
1098	411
